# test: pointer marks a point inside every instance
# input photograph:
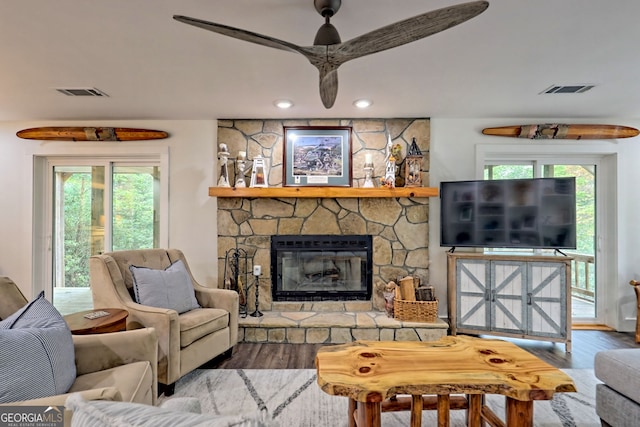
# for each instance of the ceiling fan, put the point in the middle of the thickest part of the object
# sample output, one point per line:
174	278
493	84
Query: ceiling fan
329	52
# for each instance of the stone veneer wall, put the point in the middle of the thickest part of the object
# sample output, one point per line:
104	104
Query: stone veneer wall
399	226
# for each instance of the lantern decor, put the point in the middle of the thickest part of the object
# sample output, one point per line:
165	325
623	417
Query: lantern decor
223	155
259	173
413	166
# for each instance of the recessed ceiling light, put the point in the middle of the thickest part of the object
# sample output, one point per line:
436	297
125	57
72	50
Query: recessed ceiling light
283	103
362	103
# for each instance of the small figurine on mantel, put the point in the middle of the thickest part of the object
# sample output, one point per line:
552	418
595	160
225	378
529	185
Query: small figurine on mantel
389	179
368	171
223	155
413	166
241	164
396	152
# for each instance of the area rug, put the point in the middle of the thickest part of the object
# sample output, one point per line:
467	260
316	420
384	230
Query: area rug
293	398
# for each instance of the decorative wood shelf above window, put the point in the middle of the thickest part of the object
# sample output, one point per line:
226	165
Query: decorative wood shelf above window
323	192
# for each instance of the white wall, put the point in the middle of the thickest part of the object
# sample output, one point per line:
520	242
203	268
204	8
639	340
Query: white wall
193	225
454	143
192	213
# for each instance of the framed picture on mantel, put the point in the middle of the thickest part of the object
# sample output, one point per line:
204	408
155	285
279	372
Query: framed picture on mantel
317	156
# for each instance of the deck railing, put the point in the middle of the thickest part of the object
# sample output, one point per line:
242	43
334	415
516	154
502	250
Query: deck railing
583	276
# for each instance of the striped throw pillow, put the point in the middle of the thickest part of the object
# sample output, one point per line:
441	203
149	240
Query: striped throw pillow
37	357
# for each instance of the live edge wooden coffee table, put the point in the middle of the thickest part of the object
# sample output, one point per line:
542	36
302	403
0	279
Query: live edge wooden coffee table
372	373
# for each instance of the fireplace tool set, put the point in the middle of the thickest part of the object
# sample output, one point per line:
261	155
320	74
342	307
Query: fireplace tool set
236	277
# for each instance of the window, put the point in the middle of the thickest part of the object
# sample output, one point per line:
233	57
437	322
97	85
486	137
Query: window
98	205
583	286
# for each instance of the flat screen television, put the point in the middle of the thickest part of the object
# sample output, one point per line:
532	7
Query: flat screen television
511	213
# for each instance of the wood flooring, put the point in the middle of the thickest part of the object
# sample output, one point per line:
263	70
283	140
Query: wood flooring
302	356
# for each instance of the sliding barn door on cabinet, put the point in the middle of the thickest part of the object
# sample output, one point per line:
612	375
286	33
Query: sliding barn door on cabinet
508	304
473	309
547	299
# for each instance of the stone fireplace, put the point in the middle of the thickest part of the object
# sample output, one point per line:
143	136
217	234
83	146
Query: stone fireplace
321	268
397	226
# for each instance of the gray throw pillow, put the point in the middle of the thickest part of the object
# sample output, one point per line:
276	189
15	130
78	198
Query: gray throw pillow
37	357
168	288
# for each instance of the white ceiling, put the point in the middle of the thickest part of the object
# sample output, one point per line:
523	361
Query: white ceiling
153	67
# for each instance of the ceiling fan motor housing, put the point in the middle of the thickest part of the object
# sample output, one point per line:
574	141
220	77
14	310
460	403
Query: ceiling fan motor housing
327	8
327	35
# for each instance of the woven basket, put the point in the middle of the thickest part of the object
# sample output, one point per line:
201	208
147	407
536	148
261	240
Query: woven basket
414	311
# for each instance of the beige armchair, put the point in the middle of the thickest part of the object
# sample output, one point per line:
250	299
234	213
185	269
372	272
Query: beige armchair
115	366
186	340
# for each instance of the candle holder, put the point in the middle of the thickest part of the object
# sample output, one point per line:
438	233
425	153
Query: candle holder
223	155
257	312
368	176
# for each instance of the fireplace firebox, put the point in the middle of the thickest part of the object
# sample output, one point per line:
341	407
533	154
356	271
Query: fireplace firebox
321	267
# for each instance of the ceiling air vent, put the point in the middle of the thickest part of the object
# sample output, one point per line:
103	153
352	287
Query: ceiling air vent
82	91
567	89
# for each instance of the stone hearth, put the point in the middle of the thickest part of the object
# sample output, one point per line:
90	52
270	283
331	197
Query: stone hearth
333	323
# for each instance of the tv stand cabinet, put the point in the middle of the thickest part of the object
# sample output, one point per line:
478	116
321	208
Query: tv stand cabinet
510	295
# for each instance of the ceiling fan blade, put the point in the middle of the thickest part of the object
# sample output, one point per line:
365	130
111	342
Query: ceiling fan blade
240	34
406	31
317	55
328	85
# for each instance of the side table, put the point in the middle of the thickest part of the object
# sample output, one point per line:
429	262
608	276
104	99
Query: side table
115	321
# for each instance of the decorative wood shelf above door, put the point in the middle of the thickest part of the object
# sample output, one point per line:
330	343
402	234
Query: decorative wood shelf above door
323	192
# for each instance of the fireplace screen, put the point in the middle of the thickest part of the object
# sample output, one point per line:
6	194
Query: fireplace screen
320	268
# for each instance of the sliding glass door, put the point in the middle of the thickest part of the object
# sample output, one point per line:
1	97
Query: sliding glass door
583	273
98	206
584	291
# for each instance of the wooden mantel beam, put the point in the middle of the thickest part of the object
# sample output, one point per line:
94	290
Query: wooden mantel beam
323	192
